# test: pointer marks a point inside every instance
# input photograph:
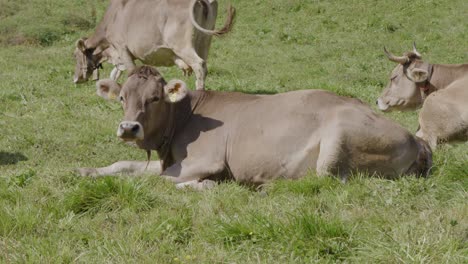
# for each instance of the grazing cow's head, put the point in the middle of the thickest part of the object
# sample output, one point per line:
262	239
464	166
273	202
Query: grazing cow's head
146	100
407	81
88	62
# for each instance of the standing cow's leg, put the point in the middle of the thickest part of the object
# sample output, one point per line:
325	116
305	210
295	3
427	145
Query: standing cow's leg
183	66
115	73
200	72
133	168
198	66
127	63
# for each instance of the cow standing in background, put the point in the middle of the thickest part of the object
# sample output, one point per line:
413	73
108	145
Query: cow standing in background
253	139
156	32
441	89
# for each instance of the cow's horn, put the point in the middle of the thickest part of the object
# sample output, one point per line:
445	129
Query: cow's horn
401	60
415	50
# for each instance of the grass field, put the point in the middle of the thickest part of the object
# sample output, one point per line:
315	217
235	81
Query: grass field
50	126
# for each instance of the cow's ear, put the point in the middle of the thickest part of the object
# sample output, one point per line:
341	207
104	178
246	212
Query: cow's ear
108	89
80	44
175	91
418	75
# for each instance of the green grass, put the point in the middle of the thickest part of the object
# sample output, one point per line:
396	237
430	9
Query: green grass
50	127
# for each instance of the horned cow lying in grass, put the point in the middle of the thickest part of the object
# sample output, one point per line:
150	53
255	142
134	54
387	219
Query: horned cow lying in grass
442	90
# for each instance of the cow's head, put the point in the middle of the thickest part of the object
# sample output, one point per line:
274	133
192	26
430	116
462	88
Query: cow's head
146	99
407	80
88	62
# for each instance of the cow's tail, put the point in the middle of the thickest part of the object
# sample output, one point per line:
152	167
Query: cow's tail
231	14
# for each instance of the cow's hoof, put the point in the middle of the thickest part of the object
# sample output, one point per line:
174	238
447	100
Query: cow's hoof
208	184
187	72
86	172
196	185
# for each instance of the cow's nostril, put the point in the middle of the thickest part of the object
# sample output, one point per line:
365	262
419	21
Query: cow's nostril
129	130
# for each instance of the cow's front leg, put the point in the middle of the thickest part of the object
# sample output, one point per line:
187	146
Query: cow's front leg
126	62
194	173
197	64
183	66
115	73
200	70
133	168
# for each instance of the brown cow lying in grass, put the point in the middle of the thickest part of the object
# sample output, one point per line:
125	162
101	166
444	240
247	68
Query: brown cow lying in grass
441	89
205	136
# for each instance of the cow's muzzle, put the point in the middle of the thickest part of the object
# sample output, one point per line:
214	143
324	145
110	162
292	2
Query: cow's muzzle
382	106
130	131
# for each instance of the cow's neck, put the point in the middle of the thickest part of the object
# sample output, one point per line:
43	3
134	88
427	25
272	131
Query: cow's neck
178	116
184	109
444	74
97	43
197	98
162	142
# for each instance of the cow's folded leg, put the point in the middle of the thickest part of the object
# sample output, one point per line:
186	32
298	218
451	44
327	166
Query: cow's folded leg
189	172
197	185
133	168
331	160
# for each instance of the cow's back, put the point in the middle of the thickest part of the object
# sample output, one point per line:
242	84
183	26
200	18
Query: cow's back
150	29
283	135
444	115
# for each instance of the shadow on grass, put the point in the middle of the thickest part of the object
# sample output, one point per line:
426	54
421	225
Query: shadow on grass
7	158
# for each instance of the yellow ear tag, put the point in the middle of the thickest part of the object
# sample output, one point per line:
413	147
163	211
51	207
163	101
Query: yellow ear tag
173	97
112	96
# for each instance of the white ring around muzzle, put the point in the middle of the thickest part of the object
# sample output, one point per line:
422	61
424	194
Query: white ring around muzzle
130	131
